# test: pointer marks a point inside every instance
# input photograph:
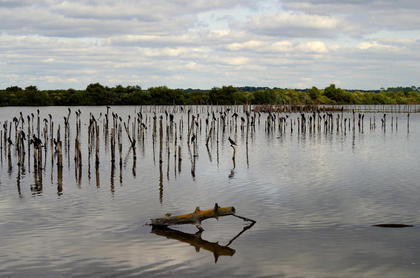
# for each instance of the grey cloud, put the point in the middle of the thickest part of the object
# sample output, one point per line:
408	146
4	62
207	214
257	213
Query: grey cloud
17	3
289	24
105	17
45	23
367	16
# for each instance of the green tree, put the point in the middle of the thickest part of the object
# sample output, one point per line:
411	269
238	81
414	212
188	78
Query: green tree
314	93
224	95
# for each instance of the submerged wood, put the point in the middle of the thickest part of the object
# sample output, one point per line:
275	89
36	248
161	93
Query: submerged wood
193	218
393	225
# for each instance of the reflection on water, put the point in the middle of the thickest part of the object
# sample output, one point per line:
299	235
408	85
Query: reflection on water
196	241
76	203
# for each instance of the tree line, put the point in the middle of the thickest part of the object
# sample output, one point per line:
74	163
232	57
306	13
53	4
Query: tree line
97	94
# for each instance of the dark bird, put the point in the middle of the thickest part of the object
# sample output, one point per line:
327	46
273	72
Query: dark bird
193	138
36	141
231	142
9	141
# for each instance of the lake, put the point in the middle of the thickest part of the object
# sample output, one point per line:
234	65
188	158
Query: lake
315	194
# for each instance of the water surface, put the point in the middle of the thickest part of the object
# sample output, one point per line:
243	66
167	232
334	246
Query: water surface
315	197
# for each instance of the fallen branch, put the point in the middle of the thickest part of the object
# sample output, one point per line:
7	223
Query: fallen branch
196	217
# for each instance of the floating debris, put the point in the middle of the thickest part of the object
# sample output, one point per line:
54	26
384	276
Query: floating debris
393	225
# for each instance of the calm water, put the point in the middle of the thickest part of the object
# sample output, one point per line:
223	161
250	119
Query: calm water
315	198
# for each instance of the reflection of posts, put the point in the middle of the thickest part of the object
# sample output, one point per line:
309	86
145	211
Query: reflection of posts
233	144
97	177
179	159
208	152
160	183
196	241
233	156
18	181
60	179
112	177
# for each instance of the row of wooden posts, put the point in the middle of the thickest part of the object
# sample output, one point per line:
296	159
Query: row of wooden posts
32	138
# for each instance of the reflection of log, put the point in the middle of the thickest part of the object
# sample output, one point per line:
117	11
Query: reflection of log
195	240
193	218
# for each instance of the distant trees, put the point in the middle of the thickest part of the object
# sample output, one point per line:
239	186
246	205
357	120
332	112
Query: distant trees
314	93
224	95
97	94
265	97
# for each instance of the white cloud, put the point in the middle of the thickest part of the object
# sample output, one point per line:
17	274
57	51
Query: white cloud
313	46
236	60
292	24
366	15
375	45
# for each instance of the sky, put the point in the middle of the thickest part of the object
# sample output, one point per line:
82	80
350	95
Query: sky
355	44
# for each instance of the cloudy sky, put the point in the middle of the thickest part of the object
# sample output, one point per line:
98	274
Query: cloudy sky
365	44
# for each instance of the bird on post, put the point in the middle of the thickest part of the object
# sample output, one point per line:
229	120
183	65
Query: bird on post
36	141
193	138
232	143
22	133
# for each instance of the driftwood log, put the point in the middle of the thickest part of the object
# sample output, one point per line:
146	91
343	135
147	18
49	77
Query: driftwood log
196	217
